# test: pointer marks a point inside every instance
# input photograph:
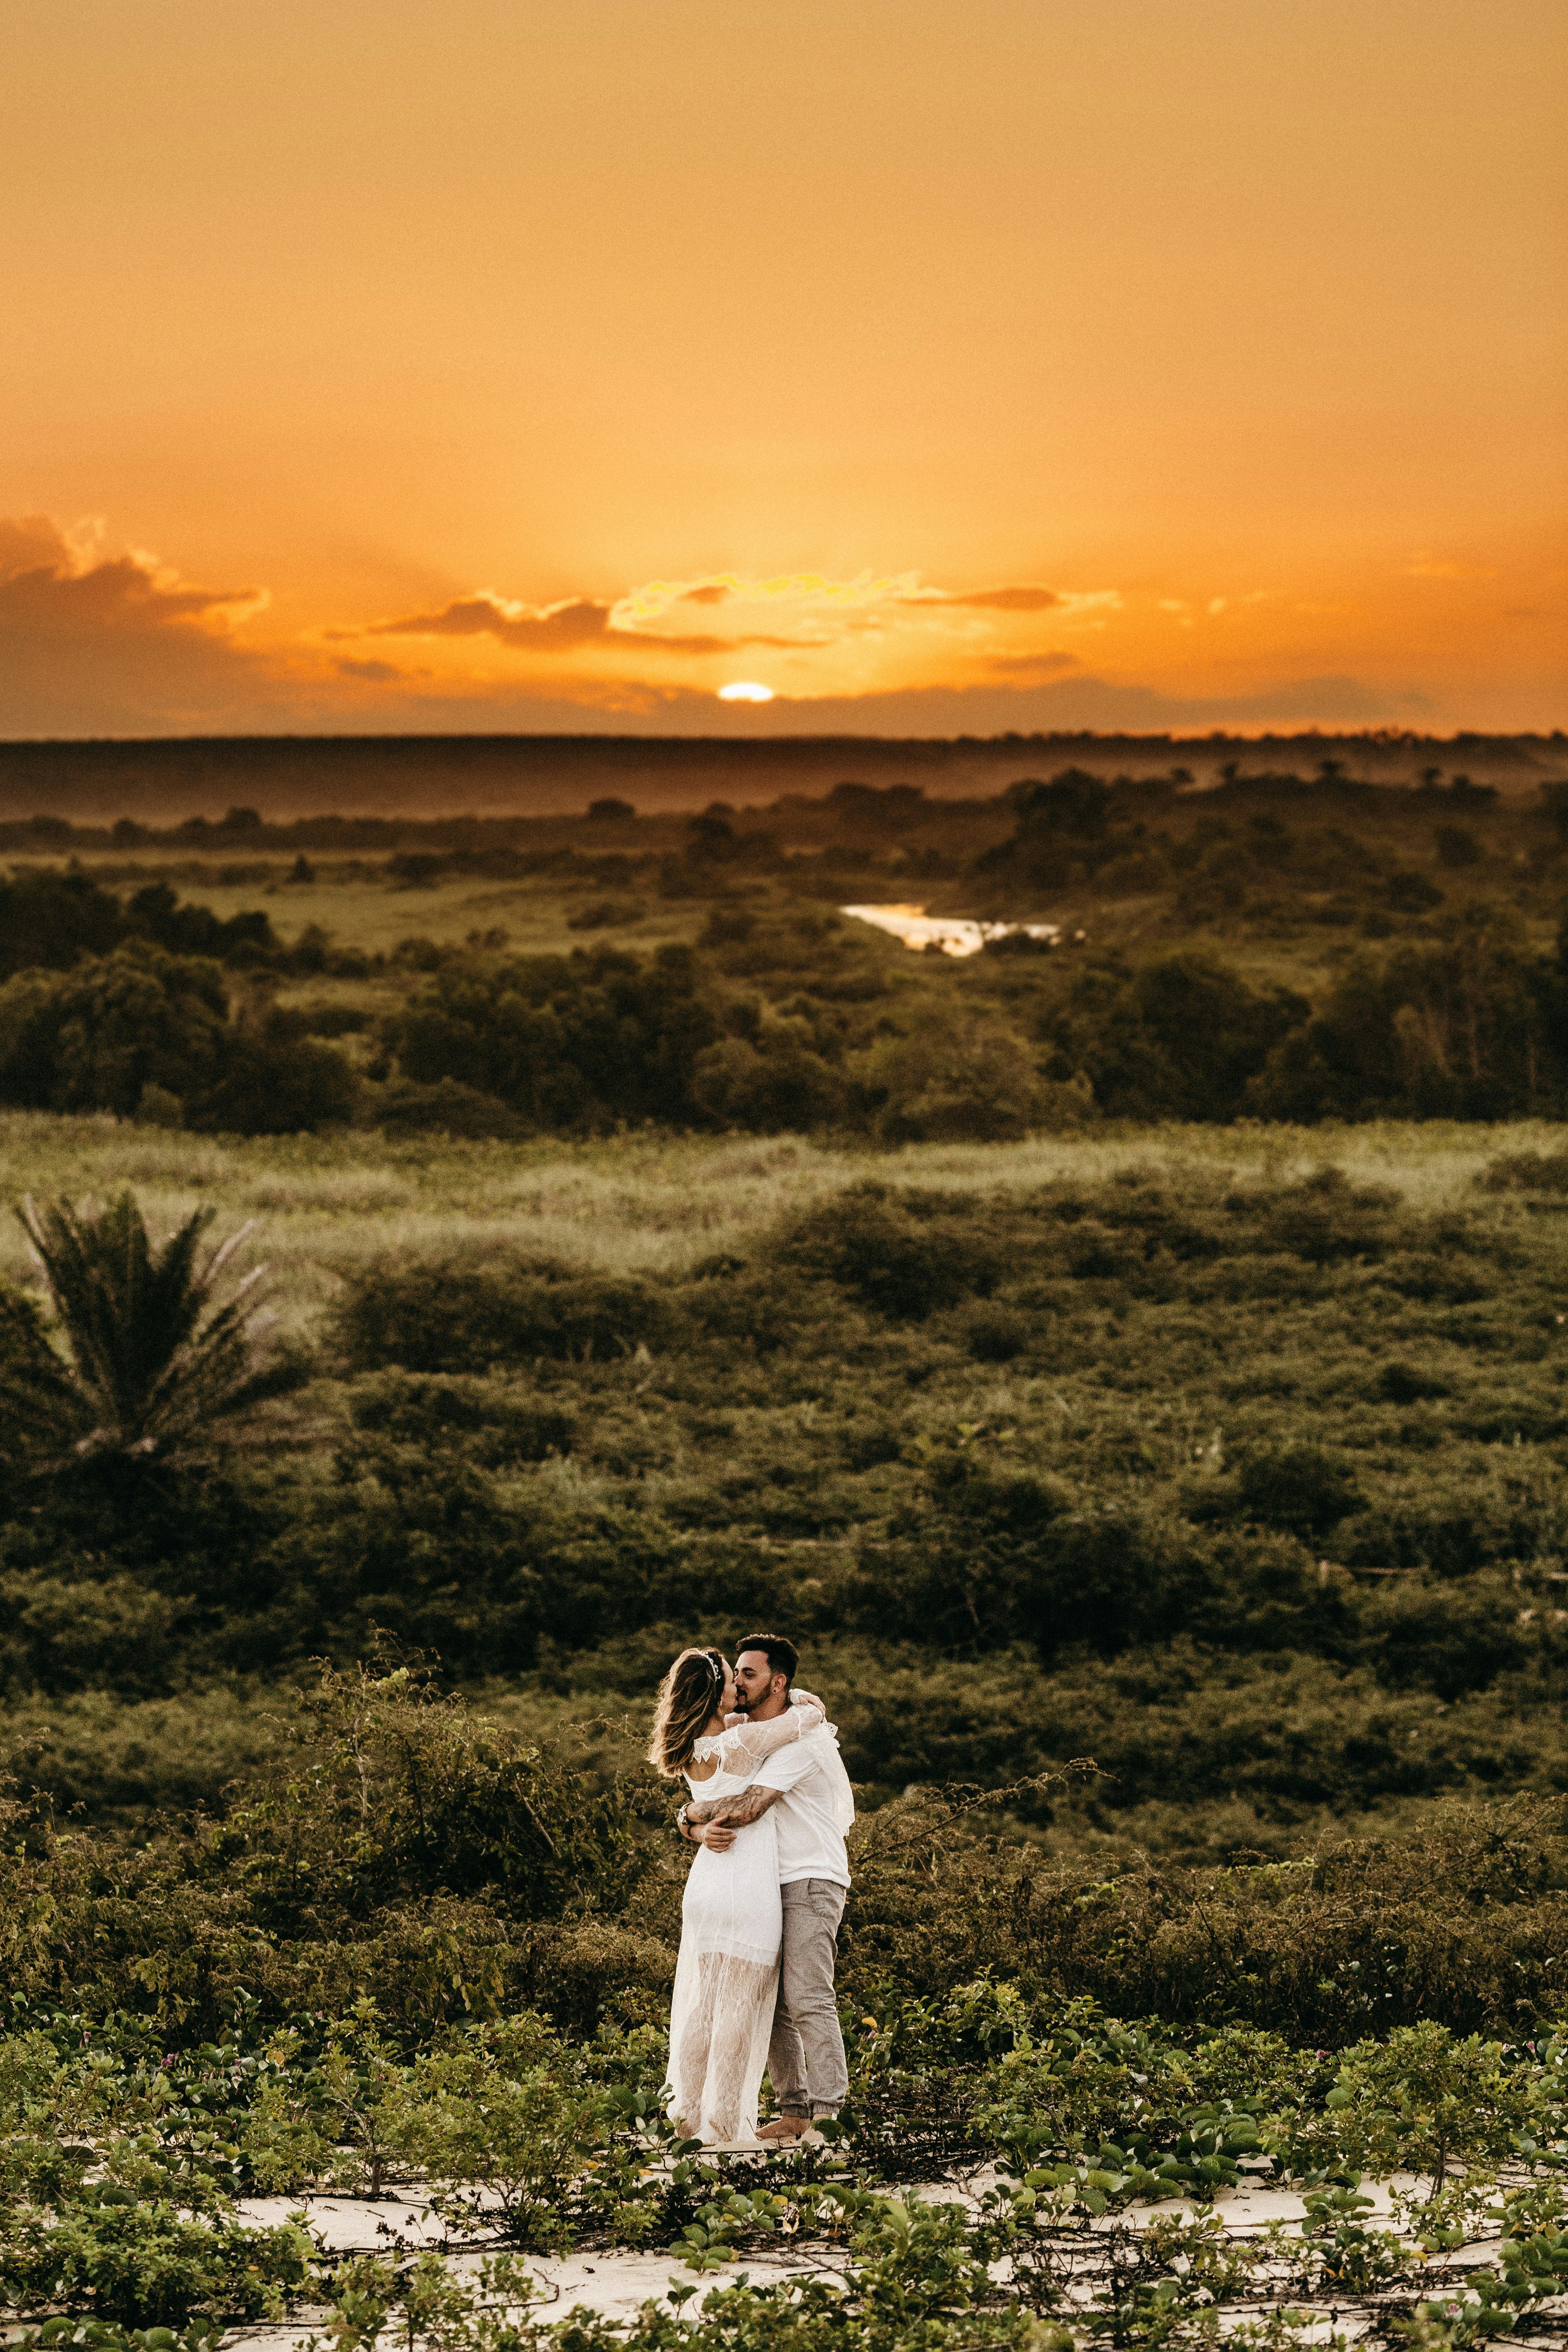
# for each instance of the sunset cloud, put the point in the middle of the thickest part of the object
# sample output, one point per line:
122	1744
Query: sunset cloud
576	622
551	628
99	640
1429	567
1000	665
1022	599
895	618
93	643
372	673
860	592
47	583
645	603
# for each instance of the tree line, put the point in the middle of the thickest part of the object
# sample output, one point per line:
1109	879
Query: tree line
779	1018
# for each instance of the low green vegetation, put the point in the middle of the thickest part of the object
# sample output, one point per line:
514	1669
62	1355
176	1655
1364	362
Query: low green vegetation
1243	1476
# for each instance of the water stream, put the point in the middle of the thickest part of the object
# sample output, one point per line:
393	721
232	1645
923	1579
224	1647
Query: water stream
956	935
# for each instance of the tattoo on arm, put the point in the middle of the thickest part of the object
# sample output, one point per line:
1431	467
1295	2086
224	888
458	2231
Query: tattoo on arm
749	1805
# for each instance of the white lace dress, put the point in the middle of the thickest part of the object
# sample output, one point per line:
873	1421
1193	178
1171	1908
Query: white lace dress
732	1925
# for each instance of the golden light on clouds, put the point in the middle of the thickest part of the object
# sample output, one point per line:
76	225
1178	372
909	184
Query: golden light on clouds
745	689
1181	362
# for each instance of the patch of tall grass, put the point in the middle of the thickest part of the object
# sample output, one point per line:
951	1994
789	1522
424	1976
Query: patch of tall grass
643	1202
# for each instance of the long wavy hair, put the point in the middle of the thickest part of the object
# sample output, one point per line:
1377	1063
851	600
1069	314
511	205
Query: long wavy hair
688	1696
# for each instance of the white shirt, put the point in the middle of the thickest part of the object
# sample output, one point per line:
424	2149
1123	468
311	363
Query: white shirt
810	1810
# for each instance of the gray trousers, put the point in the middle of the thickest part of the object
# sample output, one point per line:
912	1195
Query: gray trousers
805	2055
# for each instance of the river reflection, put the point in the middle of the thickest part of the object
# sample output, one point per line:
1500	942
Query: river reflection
956	935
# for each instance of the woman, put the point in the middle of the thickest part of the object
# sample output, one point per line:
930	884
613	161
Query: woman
731	1920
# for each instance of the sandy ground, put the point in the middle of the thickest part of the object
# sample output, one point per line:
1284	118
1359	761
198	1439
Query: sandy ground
615	2283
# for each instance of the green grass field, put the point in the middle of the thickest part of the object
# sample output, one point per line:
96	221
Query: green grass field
326	1204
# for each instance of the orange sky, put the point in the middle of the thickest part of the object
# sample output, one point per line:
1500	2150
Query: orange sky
941	366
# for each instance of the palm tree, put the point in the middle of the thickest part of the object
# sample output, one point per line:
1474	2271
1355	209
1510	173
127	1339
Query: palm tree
156	1361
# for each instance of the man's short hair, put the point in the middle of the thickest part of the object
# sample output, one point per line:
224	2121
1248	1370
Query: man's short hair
781	1656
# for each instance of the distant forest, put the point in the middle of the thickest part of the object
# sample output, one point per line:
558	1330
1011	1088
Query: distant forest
160	782
1273	946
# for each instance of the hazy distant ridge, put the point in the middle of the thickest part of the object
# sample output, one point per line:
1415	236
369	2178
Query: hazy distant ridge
162	780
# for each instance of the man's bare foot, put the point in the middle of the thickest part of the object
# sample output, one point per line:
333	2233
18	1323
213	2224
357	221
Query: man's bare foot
784	2127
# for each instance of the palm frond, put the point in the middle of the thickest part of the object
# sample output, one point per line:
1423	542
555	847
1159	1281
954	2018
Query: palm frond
39	1400
157	1360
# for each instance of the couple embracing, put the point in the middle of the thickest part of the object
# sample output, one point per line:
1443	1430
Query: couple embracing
770	1805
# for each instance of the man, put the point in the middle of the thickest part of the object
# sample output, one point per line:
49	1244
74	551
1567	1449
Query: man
810	1791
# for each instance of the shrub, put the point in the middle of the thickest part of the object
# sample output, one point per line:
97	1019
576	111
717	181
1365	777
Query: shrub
506	2119
399	1794
1180	1038
777	1082
576	1041
272	1083
86	1632
108	2255
1525	1171
957	1076
997	1334
904	1254
1457	846
451	1316
1465	1029
1419	2102
449	1107
1412	893
606	914
157	1106
54	920
1401	1384
1326	1219
509	1422
145	1031
1298	1487
190	930
94	1038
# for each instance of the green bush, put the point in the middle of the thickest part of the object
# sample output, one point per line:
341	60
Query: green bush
447	1108
270	1082
452	1315
956	1075
1299	1489
1421	2101
50	921
142	1025
768	1084
108	2255
566	1041
507	2118
93	1038
1468	1028
1180	1037
904	1254
504	1422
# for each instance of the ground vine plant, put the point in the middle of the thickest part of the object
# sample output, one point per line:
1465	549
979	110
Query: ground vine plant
1081	2183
